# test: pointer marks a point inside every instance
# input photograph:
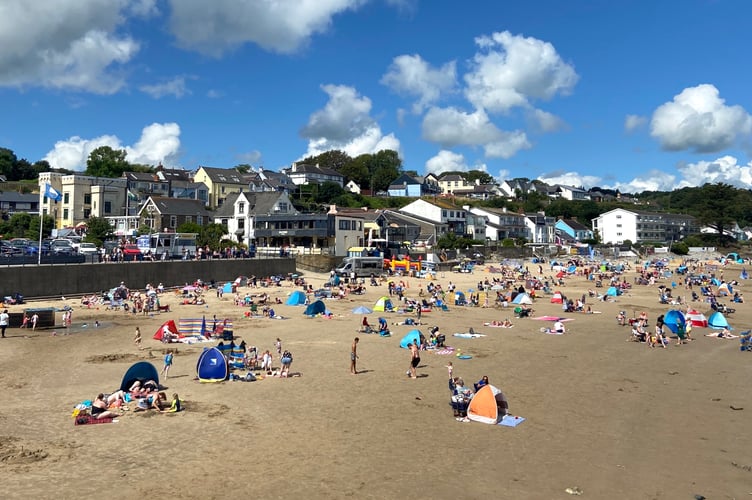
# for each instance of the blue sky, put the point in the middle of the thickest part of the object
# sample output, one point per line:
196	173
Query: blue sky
629	94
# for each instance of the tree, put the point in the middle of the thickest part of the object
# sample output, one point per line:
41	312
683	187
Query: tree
107	162
334	159
98	230
212	235
479	175
7	161
33	231
716	201
328	191
243	168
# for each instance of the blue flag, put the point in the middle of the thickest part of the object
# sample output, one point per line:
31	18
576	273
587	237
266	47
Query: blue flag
52	193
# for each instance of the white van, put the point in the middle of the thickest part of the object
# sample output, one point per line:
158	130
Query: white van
363	266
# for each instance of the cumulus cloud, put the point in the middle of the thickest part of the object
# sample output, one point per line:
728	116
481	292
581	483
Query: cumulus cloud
174	87
544	121
570	179
75	48
449	161
143	8
634	122
345	124
412	76
251	157
725	169
281	26
511	71
451	127
159	143
699	120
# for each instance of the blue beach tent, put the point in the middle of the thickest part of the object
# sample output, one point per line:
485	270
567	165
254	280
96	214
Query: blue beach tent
296	298
212	366
718	321
412	337
141	372
674	319
315	308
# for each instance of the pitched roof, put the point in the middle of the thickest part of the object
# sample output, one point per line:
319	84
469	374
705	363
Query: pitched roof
16	197
141	176
178	206
226	175
174	174
227	209
575	225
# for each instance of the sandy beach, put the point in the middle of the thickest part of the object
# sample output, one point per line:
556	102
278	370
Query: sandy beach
614	419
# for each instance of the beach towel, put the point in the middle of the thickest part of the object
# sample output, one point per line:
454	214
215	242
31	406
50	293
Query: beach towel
497	326
468	335
511	421
88	419
553	318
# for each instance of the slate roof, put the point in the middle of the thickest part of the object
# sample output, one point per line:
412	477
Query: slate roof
178	206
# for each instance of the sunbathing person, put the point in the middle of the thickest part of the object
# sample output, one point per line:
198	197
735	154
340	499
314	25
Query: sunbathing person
723	334
99	408
153	401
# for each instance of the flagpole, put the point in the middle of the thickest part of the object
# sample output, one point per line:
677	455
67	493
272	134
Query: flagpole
41	225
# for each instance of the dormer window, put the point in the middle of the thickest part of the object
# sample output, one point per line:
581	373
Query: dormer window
241	207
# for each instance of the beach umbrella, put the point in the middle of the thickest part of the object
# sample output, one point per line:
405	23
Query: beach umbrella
362	310
189	288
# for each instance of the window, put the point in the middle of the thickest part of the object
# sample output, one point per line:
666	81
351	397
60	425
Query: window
200	220
241	223
108	207
444	213
188	218
618	216
65	213
87	199
87	213
282	206
241	207
173	221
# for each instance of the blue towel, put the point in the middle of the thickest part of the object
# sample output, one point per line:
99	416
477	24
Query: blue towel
511	421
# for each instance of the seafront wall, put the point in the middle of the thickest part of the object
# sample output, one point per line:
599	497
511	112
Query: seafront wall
53	280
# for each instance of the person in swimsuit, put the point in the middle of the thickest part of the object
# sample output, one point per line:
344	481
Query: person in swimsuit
99	408
414	359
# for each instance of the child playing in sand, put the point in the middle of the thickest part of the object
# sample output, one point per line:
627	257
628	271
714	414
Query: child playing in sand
278	345
176	404
450	369
137	338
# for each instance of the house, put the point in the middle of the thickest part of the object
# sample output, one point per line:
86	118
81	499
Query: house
84	196
568	193
540	228
478	191
12	202
302	173
220	182
269	180
406	185
439	212
516	187
162	214
449	183
619	225
574	229
239	211
501	224
141	185
352	187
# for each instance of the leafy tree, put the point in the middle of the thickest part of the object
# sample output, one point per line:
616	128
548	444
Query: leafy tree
7	161
483	177
328	191
680	248
716	201
33	231
190	227
334	159
357	171
19	224
211	235
243	168
98	230
107	162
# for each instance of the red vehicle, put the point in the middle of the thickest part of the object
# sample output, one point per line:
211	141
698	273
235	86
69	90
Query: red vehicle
131	252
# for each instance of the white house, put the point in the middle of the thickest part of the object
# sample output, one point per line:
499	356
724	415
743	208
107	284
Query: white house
618	225
501	224
440	212
352	187
540	228
239	212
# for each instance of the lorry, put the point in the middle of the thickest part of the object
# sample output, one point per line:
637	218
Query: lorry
362	266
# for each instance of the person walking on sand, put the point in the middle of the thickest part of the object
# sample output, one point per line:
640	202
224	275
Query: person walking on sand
34	319
414	359
4	319
137	338
167	364
354	356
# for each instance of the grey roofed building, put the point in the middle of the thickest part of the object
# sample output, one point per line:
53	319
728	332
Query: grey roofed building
166	214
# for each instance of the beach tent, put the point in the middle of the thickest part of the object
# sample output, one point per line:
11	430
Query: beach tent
612	291
412	336
296	298
212	366
673	319
362	310
141	371
572	269
718	321
227	288
488	405
522	298
171	327
383	304
556	298
315	308
724	289
696	318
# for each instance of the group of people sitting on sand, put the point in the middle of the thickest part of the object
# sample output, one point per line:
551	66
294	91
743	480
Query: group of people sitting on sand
146	394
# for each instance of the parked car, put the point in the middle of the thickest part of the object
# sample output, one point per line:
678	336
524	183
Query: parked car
27	246
131	252
61	246
87	248
8	250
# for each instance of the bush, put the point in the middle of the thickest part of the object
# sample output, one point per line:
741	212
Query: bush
680	248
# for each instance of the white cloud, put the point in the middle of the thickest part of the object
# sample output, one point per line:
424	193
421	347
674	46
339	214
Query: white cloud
725	169
451	127
214	94
654	180
411	75
143	8
251	157
280	26
697	119
345	124
570	179
75	47
544	121
159	143
174	87
513	70
634	122
446	161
